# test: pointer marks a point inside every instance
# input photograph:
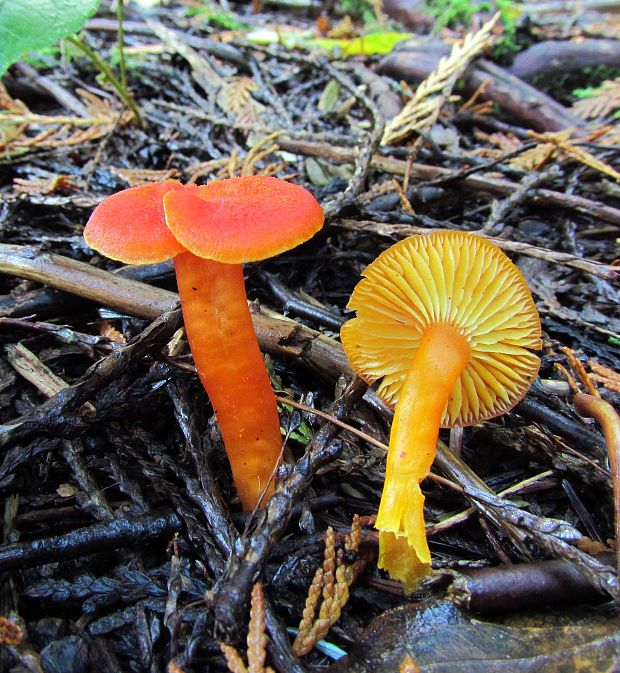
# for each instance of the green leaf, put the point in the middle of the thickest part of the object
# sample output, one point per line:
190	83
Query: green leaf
588	92
26	25
368	45
372	43
328	102
217	17
289	39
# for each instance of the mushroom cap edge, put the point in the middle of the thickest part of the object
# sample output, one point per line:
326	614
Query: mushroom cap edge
130	226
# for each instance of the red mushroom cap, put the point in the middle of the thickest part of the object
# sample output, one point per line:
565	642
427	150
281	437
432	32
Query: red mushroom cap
242	219
130	226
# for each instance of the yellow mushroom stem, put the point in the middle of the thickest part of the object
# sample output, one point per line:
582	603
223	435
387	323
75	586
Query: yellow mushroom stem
590	406
403	550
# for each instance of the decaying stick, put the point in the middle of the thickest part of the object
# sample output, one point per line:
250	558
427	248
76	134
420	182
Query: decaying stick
553	535
524	585
52	414
606	271
276	334
522	101
477	183
89	540
368	145
548	60
86	281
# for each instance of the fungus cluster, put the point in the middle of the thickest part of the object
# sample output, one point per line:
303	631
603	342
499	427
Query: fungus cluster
210	230
444	326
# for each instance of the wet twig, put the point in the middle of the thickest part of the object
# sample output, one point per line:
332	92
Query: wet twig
524	585
606	271
368	145
91	498
276	334
52	414
552	535
90	540
501	210
231	592
561	425
476	183
297	306
202	489
85	281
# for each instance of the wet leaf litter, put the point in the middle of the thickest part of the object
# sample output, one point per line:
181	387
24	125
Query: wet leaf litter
125	545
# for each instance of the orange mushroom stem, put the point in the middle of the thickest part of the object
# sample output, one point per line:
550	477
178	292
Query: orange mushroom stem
607	417
231	367
444	323
440	359
210	231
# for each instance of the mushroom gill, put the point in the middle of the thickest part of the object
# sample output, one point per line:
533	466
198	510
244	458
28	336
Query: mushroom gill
444	323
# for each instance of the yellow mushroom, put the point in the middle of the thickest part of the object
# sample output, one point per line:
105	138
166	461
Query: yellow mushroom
444	326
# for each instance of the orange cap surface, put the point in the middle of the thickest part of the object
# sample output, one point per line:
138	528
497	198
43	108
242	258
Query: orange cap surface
464	282
242	219
130	226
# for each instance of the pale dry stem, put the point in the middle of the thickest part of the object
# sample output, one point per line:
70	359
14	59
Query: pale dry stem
256	640
423	109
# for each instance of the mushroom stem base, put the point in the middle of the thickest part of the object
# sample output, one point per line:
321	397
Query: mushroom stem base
230	365
405	557
607	417
442	356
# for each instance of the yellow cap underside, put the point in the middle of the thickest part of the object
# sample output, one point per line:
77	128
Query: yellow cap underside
458	279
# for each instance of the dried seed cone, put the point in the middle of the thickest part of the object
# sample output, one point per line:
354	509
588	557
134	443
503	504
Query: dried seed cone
306	638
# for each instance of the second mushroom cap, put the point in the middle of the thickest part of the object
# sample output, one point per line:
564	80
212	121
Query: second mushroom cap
454	279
